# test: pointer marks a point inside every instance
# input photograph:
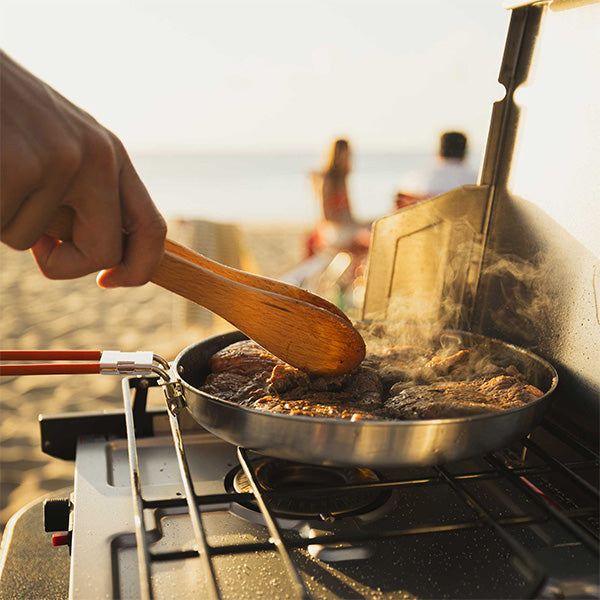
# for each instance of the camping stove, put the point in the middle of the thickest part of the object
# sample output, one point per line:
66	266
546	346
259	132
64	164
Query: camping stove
162	508
150	518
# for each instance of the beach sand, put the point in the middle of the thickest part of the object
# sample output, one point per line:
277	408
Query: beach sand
41	314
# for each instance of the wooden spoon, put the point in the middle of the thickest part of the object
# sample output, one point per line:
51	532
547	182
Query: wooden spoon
298	327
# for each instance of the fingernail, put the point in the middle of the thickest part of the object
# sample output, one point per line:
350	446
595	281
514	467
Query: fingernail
103	280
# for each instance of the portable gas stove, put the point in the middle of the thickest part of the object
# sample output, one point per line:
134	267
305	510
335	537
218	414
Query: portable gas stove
161	508
518	523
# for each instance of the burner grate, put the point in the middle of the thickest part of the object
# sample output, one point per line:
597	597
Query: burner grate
576	514
319	503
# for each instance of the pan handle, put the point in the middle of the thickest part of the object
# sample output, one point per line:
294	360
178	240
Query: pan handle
106	362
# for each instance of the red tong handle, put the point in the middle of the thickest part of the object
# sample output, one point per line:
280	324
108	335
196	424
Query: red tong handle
50	369
50	354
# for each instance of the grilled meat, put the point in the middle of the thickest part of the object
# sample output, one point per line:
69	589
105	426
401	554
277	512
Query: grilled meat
396	383
243	358
459	398
442	365
225	385
438	401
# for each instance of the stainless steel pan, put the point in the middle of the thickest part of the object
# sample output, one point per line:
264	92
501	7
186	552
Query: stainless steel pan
364	443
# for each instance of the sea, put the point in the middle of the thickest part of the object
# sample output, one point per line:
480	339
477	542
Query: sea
267	187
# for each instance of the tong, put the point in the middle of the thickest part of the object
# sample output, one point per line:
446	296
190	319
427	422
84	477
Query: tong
302	329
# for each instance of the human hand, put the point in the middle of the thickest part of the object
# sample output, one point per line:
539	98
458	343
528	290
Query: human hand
55	155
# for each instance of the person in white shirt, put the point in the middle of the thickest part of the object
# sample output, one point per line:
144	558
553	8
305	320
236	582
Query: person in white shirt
450	171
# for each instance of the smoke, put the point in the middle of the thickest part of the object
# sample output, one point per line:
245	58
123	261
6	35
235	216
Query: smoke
521	296
434	288
425	312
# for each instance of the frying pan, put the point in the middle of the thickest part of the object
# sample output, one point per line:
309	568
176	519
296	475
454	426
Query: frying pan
322	441
340	442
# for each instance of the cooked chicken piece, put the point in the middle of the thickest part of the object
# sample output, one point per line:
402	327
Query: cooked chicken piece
438	409
254	378
507	390
361	388
458	398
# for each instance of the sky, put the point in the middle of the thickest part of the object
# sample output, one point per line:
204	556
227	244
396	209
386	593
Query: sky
263	76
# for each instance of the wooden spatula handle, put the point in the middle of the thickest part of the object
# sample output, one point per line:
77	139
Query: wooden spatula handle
256	281
61	228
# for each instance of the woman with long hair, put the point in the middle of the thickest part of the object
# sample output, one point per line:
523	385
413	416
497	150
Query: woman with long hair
335	202
338	227
337	235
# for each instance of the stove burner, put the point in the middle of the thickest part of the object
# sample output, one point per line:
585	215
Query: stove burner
279	475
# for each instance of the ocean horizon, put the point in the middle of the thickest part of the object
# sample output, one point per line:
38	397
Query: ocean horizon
267	187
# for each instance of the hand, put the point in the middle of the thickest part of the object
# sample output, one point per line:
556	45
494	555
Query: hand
54	155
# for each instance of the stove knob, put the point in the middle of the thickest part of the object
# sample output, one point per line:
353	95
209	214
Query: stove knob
57	513
61	539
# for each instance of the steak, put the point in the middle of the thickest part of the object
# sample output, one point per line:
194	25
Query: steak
449	399
405	382
243	358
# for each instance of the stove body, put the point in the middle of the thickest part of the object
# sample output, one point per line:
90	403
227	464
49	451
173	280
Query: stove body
518	523
521	522
463	531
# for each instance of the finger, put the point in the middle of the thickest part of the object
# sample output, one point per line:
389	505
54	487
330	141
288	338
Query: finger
146	232
21	173
52	256
68	260
96	241
40	157
32	217
31	200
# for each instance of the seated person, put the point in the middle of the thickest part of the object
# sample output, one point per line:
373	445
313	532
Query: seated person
450	171
338	227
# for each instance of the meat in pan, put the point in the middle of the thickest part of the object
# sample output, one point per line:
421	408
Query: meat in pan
406	382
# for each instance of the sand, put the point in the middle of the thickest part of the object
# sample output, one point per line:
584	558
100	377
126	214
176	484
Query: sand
41	314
